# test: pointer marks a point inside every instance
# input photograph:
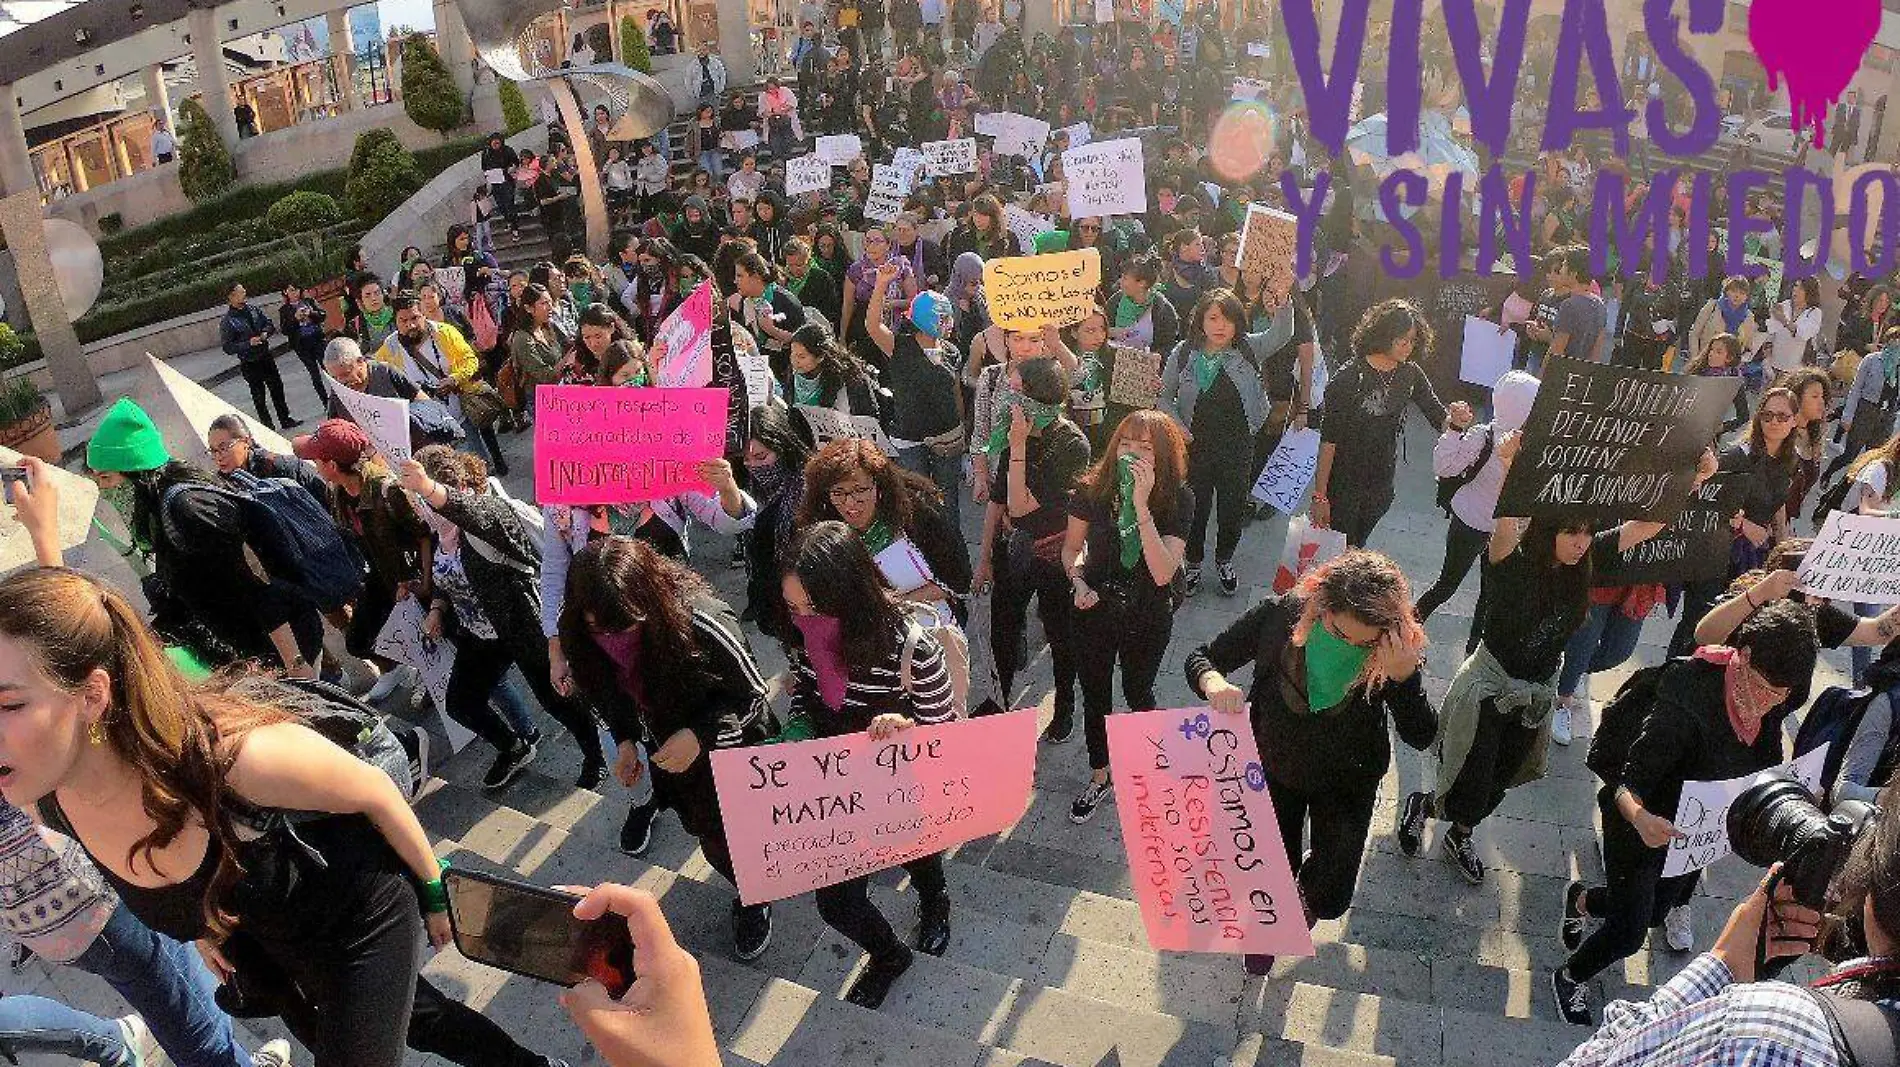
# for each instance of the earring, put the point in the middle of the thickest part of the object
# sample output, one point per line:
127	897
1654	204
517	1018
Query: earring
94	735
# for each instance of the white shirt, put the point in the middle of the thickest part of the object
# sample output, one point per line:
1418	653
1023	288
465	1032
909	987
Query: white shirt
1788	344
163	143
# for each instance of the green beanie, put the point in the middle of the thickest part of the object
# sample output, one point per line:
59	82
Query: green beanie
126	441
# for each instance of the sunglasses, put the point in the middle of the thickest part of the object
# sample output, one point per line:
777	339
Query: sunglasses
1777	416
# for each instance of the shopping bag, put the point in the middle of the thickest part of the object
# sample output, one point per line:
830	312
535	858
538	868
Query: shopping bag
985	685
1307	546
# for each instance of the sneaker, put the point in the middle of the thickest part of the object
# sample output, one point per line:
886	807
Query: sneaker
1573	998
1464	856
593	773
1679	928
1229	581
1259	965
272	1054
1060	729
751	930
1082	808
509	765
389	682
879	976
1560	721
140	1043
1412	824
21	956
933	925
637	832
1571	929
1192	578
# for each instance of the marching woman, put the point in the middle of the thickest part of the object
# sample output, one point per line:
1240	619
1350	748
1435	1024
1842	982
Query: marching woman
861	664
825	374
852	481
775	455
1333	660
862	277
1122	553
629	610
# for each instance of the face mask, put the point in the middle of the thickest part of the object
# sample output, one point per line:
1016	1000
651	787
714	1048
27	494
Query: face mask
1332	666
824	647
766	481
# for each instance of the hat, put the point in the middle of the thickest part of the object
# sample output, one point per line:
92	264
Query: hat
126	441
340	441
930	312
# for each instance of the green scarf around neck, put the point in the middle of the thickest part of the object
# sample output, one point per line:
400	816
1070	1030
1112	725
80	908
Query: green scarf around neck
878	536
1332	666
1041	415
1207	368
806	390
1127	526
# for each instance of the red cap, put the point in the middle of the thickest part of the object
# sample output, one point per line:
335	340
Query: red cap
340	441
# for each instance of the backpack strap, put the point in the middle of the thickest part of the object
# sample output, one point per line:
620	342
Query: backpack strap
1866	1034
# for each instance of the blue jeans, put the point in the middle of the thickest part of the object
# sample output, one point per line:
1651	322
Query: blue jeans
167	984
713	162
1863	657
38	1025
1607	638
513	705
946	471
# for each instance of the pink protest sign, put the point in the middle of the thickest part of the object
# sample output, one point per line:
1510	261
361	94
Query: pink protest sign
814	813
597	444
683	343
1203	846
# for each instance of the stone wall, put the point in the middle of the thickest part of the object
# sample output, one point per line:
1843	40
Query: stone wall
424	219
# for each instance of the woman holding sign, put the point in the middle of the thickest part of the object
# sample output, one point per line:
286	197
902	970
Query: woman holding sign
860	664
1334	660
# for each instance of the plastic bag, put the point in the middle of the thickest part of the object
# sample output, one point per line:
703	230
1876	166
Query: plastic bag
1307	546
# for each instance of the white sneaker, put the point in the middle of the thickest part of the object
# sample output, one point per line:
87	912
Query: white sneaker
273	1054
390	681
145	1049
1560	723
1679	928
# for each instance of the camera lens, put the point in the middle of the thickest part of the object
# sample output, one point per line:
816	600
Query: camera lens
1777	821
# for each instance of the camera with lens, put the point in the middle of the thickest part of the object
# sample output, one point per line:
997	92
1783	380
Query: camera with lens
1776	820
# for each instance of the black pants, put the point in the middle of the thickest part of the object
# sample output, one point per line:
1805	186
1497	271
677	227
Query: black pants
461	1035
692	795
1226	471
1017	581
1463	546
1135	631
1356	515
311	353
261	375
846	907
1636	898
367	617
1498	749
479	667
1697	599
1327	865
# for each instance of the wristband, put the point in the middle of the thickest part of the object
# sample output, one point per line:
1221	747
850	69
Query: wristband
433	895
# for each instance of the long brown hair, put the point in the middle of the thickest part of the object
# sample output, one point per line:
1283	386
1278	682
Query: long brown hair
1103	481
1370	588
898	491
180	741
617	583
1797	382
1758	442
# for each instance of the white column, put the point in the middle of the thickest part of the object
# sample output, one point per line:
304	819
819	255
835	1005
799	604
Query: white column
343	59
451	40
214	85
735	46
158	96
16	163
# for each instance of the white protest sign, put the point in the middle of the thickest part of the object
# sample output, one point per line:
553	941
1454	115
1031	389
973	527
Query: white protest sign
1249	89
1025	225
990	123
945	158
1856	558
758	377
1702	814
385	419
401	640
839	149
909	162
903	565
1079	135
828	425
1269	245
1290	470
1021	135
1487	353
450	282
1106	178
1258	49
885	201
807	174
1321	376
1104	11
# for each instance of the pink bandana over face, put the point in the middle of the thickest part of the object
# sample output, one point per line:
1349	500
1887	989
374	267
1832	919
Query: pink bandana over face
824	647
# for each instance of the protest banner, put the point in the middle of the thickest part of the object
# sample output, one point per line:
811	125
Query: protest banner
1204	848
839	149
597	444
947	158
1289	471
1106	178
1136	381
450	281
1079	134
401	641
889	186
828	425
682	346
1104	12
807	174
1025	225
1702	814
385	419
1269	244
910	163
1029	292
1020	135
989	123
1694	547
1249	89
1487	352
806	814
1606	443
1855	558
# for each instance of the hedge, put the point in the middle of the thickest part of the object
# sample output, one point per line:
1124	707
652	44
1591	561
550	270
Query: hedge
382	175
205	168
206	289
514	107
303	211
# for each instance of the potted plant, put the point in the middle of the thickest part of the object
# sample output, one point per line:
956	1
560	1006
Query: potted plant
26	420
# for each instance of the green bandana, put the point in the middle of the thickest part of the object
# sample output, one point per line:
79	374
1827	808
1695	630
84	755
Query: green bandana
1206	369
797	285
1040	416
1126	525
1127	312
1090	379
878	536
1332	666
380	321
805	390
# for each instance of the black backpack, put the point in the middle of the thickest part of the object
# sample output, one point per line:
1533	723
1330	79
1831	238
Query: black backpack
1834	497
1623	719
291	533
1449	485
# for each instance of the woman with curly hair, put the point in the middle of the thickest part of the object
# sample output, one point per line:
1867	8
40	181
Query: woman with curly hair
824	374
854	482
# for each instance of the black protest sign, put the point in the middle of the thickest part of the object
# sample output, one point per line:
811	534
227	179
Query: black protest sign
1610	443
1692	548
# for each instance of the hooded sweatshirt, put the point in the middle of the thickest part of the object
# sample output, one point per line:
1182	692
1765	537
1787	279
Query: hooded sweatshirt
1455	452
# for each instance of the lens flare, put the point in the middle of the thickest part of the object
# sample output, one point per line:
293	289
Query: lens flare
1241	141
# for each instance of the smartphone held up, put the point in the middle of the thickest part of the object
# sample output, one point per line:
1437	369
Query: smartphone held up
531	930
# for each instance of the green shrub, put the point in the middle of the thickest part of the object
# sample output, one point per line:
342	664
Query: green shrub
204	163
382	175
370	142
514	108
206	288
302	211
111	223
429	93
633	46
27	351
12	347
20	399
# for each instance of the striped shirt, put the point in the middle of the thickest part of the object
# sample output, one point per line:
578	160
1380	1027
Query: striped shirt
1702	1018
878	688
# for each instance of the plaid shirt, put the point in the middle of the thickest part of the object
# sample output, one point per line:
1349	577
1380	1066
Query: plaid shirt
1701	1018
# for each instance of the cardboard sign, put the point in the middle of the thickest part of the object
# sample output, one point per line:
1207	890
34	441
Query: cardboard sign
947	158
828	425
1487	352
1029	292
1204	847
1025	225
1702	814
807	174
1855	558
757	371
682	346
401	640
1608	443
385	419
1695	546
1269	246
839	149
596	444
807	814
889	186
1106	178
1079	135
1020	135
1136	381
1289	471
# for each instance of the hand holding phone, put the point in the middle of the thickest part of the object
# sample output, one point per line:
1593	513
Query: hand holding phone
11	476
663	1020
532	930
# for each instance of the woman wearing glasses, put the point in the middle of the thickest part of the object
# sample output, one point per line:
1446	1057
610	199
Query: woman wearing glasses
1333	660
890	508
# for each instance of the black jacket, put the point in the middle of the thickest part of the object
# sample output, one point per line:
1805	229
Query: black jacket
719	694
236	329
1686	737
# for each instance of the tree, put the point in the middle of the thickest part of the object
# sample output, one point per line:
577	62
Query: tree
303	211
429	93
633	46
382	175
514	108
204	163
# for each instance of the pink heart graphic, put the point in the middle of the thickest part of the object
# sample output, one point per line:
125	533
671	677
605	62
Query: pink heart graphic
1817	52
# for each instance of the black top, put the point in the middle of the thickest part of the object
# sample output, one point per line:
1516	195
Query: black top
1365	413
200	559
925	388
1056	459
1765	489
1686	737
1102	567
1531	614
1280	368
719	694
